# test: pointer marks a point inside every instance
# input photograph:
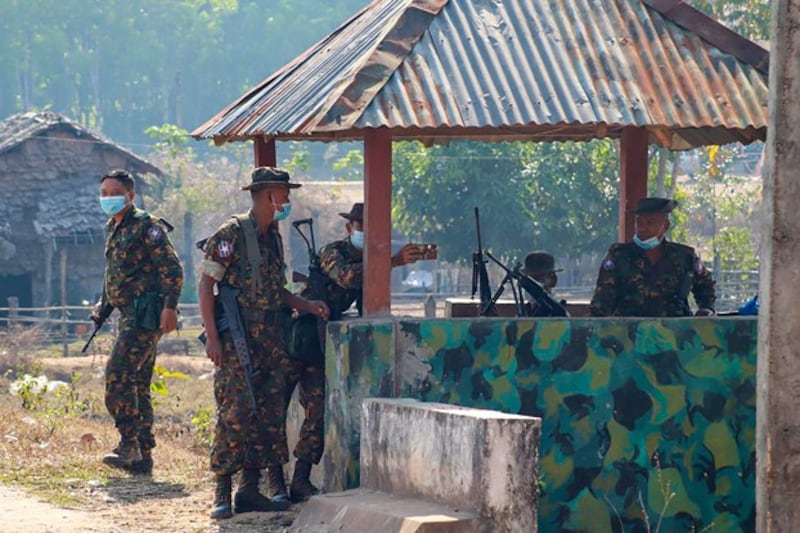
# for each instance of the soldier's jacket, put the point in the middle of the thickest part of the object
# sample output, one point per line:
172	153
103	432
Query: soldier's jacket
140	259
226	261
628	285
343	266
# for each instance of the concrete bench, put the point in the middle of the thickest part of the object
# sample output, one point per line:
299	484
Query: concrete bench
474	461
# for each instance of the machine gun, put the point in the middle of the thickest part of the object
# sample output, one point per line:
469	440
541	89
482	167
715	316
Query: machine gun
101	318
549	307
315	279
480	278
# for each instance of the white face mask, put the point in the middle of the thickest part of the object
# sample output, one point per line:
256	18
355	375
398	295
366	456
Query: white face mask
357	239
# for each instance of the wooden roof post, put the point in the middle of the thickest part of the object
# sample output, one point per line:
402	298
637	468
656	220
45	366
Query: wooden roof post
778	367
265	152
377	222
632	177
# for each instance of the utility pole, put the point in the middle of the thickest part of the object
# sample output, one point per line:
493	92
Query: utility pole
778	384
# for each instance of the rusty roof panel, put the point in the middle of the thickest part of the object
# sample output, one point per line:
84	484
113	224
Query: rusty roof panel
557	69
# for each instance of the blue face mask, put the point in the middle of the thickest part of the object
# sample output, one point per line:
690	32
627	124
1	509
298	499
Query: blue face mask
284	212
648	244
111	205
357	239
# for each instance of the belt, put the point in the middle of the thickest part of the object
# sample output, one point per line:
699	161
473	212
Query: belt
254	315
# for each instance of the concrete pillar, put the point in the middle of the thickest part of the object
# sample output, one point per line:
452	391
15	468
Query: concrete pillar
264	152
377	278
470	459
632	177
777	415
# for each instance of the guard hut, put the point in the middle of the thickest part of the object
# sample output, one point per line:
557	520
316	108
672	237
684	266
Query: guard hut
642	419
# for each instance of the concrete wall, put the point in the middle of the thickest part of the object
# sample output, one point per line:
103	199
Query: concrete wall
470	459
632	410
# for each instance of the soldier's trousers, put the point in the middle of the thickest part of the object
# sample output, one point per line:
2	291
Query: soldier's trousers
311	379
242	438
128	374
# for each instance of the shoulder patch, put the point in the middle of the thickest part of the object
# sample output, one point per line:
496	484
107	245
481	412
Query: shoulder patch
224	249
608	264
154	233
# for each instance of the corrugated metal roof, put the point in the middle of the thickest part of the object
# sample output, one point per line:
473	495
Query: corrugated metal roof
510	69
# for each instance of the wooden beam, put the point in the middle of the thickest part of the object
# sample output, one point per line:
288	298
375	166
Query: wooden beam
632	177
377	223
265	152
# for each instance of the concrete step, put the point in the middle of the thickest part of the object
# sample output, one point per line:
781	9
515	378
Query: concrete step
366	511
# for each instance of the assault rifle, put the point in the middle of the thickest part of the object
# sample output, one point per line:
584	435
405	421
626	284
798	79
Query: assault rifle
101	318
232	320
480	278
548	306
315	278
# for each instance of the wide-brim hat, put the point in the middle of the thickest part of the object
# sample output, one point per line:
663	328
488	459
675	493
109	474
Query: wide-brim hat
654	205
356	213
537	263
269	177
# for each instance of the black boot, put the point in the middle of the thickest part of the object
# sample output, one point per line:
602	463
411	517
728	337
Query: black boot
143	467
301	488
124	455
277	485
248	498
222	498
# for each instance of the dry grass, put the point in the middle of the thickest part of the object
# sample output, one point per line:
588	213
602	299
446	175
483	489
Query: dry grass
54	452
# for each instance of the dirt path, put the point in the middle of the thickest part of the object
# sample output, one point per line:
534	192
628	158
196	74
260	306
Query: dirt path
21	512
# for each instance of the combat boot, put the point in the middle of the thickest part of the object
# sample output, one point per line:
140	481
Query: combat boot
301	488
145	466
222	498
248	498
277	485
124	455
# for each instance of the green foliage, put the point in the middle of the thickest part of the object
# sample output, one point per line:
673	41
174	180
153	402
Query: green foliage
350	167
203	420
51	401
751	18
557	197
123	66
158	385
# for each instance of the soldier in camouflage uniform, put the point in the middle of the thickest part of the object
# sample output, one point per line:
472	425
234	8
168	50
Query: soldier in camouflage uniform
243	439
540	266
143	280
650	276
342	264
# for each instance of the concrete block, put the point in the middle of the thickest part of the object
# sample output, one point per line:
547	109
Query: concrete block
364	511
473	459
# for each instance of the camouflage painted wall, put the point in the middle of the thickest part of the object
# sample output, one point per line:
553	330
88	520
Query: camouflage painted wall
651	417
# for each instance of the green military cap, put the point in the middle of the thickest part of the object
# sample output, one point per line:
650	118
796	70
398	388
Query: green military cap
538	263
655	205
266	177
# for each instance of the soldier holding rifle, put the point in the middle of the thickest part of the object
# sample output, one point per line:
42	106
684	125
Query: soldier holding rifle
143	280
246	342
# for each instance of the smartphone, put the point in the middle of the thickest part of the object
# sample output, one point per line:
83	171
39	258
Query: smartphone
428	251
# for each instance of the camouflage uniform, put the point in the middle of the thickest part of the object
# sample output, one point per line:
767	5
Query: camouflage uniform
342	265
240	440
628	285
143	274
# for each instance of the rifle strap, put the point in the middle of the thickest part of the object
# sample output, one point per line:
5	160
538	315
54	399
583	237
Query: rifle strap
252	249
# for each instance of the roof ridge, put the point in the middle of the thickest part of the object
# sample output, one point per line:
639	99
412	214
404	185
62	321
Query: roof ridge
400	37
713	31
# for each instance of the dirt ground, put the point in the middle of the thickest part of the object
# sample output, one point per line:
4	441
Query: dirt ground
177	498
154	508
